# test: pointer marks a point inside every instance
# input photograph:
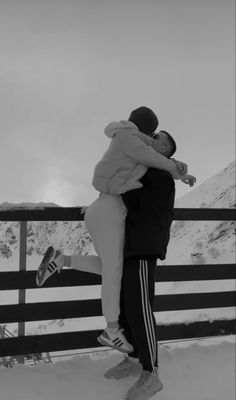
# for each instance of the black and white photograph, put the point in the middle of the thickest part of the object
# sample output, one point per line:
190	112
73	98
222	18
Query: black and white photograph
117	200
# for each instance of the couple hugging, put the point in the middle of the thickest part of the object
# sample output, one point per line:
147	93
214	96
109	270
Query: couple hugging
129	224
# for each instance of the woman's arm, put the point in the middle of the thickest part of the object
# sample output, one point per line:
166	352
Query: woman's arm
135	148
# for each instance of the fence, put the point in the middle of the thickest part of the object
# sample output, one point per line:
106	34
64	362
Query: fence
22	280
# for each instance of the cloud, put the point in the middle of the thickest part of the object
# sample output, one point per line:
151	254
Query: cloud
60	192
66	193
67	71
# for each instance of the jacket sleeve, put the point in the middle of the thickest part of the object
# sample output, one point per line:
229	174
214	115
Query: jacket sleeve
136	149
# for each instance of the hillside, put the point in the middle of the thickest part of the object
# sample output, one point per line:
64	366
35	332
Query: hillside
69	236
199	242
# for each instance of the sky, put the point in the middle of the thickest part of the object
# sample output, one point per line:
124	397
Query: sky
68	68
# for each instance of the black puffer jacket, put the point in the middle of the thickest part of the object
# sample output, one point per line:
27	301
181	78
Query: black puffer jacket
150	214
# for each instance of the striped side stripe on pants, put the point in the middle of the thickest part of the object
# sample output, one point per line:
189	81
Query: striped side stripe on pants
147	313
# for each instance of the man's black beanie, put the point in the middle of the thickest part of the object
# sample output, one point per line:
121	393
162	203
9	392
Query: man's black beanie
145	119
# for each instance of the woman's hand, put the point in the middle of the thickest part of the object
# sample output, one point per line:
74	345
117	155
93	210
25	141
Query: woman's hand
179	170
182	167
189	180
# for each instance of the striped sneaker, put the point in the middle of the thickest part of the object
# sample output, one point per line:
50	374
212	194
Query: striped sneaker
115	340
51	263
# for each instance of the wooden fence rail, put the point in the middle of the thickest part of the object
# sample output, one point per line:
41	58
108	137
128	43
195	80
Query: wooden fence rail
22	280
76	214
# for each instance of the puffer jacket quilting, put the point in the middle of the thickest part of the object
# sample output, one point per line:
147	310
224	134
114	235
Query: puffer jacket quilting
126	160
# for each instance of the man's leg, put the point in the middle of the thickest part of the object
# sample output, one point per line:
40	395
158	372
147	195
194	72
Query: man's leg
124	324
138	296
139	285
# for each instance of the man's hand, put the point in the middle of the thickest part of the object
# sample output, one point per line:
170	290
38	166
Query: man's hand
189	180
182	167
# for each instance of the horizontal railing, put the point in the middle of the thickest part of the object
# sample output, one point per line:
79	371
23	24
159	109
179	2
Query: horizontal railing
13	280
76	214
25	312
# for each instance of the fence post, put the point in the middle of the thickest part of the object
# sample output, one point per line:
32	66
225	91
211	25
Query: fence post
22	267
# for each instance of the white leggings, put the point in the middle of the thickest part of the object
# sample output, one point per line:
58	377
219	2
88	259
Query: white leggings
105	221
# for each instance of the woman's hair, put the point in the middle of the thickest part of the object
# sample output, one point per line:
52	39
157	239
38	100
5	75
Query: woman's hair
145	119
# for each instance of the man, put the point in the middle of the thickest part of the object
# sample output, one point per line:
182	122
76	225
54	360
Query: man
150	214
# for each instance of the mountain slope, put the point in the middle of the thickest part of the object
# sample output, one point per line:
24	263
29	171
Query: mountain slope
69	236
216	192
199	242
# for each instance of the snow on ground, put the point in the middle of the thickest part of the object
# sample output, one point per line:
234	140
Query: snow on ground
196	372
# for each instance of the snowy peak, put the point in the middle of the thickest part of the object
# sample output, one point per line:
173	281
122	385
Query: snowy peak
216	192
25	205
200	242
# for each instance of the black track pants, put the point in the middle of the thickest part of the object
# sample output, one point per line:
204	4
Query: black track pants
136	315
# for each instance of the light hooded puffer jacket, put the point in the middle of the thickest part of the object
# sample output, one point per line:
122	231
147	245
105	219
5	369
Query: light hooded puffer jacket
126	160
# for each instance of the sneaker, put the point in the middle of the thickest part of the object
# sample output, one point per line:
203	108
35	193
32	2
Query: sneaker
125	368
115	340
146	386
51	263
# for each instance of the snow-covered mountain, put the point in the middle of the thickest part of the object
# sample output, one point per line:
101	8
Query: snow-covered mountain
199	242
69	236
25	205
215	192
191	241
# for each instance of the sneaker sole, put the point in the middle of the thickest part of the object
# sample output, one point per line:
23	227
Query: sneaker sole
43	266
112	346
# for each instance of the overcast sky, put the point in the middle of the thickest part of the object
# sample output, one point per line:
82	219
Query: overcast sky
67	68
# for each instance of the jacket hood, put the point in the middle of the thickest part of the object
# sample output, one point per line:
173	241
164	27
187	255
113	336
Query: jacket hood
114	127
